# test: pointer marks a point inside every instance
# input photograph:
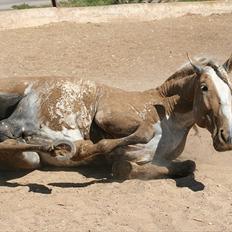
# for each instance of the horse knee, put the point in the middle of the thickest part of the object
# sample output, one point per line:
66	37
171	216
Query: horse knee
107	145
121	170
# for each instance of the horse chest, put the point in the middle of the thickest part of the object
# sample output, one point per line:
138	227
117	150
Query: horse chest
171	142
164	145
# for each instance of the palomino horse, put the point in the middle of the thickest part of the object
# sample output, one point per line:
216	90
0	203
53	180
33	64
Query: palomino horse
68	122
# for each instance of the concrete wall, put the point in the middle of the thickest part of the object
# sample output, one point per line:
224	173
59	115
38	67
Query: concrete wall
131	12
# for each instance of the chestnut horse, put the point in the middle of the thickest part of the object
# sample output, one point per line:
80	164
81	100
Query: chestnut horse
68	122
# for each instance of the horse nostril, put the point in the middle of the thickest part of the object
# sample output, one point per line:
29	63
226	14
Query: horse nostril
225	137
222	135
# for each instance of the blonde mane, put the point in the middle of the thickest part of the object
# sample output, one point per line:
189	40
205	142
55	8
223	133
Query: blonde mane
186	70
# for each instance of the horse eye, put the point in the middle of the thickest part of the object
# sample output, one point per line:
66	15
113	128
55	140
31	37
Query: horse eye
204	88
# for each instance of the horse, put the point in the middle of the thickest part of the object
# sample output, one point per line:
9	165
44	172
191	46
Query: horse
69	122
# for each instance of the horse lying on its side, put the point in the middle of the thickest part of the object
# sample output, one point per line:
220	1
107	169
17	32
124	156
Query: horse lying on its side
68	122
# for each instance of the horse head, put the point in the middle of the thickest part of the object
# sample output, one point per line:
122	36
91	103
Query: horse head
212	105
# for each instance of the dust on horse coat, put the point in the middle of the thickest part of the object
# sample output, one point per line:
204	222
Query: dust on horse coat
140	132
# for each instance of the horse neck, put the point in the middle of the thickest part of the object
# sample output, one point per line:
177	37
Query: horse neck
182	110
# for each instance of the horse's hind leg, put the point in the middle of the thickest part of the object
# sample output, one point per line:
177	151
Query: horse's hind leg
8	103
22	161
29	160
123	170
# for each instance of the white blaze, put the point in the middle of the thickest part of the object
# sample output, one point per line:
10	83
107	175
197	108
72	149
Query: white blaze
224	94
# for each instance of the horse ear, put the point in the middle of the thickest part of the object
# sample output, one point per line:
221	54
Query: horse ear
196	68
228	65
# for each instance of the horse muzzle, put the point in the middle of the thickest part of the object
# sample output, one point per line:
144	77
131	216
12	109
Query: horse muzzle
222	141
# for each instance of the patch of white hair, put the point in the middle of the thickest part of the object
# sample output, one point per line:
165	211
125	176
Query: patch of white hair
224	94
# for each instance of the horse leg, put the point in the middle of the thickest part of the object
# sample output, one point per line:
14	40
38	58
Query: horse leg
8	102
27	161
17	156
19	161
124	169
86	149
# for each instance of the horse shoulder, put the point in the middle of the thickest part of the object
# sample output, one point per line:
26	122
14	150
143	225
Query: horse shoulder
121	112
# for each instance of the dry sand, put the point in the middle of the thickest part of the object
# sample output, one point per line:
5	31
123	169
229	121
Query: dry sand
130	56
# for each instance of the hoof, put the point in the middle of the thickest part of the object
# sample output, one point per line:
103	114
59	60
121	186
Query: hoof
182	169
63	148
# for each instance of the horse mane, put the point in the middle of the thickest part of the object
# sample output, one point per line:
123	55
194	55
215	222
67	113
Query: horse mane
165	106
186	70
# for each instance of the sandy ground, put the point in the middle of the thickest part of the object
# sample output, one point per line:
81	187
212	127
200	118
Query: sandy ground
130	56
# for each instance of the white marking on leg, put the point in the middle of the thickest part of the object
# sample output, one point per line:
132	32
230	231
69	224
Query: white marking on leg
31	158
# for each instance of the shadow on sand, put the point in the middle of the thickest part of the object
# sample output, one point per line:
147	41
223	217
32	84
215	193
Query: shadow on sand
190	182
6	176
102	174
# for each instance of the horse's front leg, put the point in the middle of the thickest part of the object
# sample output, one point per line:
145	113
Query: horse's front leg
123	169
86	149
